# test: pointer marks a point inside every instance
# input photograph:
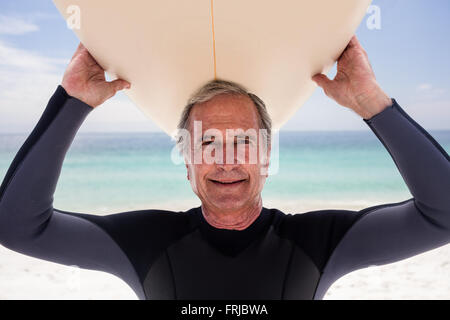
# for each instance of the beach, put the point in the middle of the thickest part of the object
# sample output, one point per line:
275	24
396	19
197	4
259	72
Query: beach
109	173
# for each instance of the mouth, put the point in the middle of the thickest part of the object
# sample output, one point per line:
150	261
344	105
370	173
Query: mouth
228	183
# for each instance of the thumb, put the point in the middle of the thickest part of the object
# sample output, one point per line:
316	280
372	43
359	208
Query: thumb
322	81
117	85
120	84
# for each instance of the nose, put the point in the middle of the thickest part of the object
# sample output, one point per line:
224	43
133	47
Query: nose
229	164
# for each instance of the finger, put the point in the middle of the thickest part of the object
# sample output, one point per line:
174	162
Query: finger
79	49
340	56
349	46
353	42
322	81
91	60
117	85
356	44
356	41
81	46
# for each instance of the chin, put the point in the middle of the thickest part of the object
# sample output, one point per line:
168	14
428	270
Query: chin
229	204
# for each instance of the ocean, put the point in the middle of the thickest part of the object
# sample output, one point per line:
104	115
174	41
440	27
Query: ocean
106	172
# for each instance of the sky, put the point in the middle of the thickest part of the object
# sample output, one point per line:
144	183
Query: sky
409	54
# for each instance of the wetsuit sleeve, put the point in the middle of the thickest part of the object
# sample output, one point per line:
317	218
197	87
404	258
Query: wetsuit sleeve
392	232
28	222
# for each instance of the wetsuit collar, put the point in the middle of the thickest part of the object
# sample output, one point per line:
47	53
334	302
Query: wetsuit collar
232	242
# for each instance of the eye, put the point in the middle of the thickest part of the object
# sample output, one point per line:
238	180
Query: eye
205	143
243	141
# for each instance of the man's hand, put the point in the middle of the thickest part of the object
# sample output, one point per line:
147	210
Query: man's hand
84	79
354	85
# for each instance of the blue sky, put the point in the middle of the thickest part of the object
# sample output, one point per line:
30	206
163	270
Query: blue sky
409	54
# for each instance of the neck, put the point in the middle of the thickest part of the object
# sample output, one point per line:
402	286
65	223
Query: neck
236	220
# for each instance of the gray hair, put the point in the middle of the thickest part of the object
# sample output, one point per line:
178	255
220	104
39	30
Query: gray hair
217	87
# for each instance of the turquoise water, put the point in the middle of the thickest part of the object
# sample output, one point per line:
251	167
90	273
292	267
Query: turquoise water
115	170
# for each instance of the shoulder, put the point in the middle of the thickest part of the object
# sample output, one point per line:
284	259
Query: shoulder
317	232
142	224
143	235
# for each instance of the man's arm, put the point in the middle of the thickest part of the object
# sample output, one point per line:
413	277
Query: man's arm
391	232
28	222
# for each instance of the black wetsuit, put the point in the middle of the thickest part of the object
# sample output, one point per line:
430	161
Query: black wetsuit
178	255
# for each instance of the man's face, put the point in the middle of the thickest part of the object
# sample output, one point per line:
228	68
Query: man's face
226	185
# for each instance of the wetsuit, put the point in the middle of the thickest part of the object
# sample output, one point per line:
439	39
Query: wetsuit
178	255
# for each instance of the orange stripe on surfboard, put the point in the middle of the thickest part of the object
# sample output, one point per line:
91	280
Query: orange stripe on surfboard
214	39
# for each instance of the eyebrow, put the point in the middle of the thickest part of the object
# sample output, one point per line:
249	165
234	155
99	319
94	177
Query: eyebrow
208	136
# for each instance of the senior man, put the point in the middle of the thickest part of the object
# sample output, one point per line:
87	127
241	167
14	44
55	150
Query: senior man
231	247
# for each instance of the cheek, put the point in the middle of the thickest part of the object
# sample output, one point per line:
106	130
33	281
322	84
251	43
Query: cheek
197	176
256	178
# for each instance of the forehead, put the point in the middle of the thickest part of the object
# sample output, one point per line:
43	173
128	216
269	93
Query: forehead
226	112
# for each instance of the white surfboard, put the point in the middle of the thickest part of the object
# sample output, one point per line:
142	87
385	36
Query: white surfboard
167	49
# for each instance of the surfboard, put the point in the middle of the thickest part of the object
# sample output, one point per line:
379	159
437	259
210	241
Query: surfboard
168	49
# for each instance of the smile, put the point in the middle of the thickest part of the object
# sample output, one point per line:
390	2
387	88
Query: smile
228	183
